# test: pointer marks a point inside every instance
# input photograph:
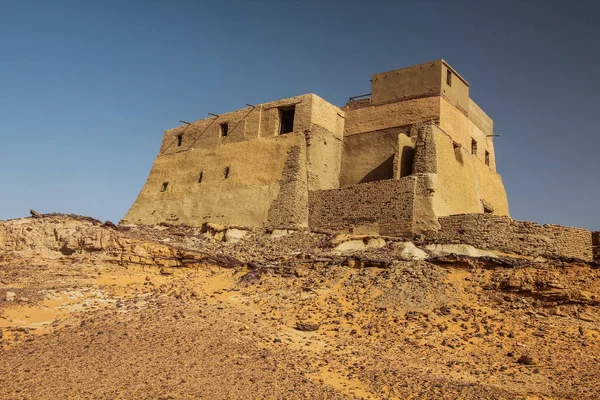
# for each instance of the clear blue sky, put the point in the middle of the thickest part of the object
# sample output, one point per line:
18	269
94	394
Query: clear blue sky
87	88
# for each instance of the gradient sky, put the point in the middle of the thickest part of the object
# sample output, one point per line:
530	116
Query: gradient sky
87	88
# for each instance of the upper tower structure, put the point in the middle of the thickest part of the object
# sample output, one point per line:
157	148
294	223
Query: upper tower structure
416	149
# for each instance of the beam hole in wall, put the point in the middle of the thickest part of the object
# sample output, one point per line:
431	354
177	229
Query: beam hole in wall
179	140
224	129
164	186
286	119
200	176
458	153
226	172
487	157
448	77
473	147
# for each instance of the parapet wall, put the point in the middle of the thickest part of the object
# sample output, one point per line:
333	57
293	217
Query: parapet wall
383	207
511	236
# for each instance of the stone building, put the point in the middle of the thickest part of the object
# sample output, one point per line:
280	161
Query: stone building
393	163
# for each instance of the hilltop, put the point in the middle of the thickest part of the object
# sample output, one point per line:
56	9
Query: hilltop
90	310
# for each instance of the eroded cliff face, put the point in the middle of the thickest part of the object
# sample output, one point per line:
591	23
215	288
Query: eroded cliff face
183	312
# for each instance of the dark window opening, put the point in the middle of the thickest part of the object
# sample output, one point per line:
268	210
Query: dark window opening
164	187
226	173
286	120
458	152
487	157
448	77
179	140
224	129
200	176
473	146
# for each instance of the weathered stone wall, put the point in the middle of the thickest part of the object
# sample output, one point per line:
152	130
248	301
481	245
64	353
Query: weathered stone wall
384	207
511	236
596	245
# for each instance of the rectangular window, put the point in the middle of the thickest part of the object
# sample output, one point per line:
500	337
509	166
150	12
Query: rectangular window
224	129
286	120
226	172
179	140
487	157
448	77
473	147
164	186
200	176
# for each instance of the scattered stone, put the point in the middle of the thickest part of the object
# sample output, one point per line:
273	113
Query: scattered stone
35	214
307	326
459	249
276	340
234	235
11	296
527	359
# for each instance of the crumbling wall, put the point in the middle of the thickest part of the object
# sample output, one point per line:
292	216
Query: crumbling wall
290	208
384	207
233	184
596	245
511	236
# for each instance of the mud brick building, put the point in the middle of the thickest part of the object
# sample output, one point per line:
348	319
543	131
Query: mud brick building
418	148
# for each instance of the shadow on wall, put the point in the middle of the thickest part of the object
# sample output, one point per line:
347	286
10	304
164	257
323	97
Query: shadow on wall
385	170
407	159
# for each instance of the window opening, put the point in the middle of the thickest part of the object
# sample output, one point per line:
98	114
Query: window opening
224	129
200	176
226	172
448	77
487	157
179	140
473	146
164	187
286	120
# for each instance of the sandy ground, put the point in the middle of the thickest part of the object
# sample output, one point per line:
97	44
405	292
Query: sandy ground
83	326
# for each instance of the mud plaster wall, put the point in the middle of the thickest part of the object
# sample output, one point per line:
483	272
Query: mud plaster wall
384	207
248	123
373	118
258	170
324	145
369	156
480	118
511	236
457	93
463	180
461	129
418	80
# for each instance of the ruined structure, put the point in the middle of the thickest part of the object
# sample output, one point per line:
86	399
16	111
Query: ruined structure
417	149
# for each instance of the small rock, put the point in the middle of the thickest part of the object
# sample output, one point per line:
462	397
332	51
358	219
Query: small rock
35	214
307	326
11	296
276	340
526	359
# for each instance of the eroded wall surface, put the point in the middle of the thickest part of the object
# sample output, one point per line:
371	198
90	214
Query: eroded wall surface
265	181
511	236
384	207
